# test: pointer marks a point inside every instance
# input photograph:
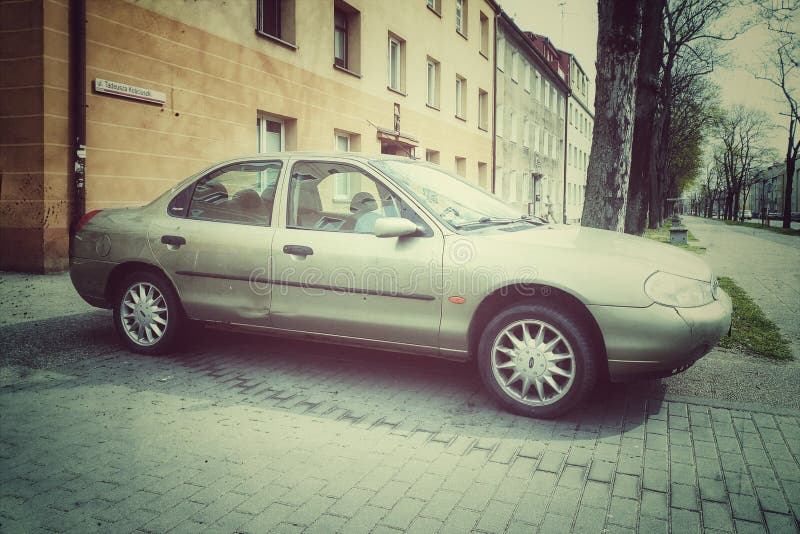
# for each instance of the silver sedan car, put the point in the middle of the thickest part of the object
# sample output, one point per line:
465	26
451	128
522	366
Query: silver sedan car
399	255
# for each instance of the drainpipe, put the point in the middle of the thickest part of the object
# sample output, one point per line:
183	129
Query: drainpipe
566	139
494	101
77	107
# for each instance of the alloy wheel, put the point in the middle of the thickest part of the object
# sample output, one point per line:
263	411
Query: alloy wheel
533	362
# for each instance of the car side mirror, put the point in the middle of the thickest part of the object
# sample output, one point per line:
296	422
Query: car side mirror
394	227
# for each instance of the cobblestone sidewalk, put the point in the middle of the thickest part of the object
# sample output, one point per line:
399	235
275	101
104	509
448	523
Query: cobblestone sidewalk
241	434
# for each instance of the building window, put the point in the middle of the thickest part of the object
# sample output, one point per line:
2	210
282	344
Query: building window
346	37
433	83
526	134
514	66
484	35
526	76
512	122
536	131
270	134
341	182
501	54
483	175
397	60
499	119
541	90
461	97
435	6
461	166
483	110
461	17
546	95
552	98
275	19
432	156
561	106
339	37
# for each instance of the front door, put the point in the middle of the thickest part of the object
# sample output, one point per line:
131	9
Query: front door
332	275
215	243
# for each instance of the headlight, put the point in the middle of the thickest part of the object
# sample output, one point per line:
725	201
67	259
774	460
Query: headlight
679	291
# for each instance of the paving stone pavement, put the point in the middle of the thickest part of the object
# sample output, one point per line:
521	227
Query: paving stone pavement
237	433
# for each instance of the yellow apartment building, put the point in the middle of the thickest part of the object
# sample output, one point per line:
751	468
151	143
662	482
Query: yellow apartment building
107	103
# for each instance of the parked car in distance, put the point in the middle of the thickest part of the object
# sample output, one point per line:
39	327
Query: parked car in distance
745	215
395	254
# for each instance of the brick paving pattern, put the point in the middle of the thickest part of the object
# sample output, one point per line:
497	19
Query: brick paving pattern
242	434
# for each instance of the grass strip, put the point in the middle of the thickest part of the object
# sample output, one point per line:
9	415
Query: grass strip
752	331
662	235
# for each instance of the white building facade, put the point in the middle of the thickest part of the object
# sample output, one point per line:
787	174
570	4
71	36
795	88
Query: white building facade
580	123
530	111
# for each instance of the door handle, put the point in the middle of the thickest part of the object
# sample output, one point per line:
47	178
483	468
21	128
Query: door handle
298	250
174	240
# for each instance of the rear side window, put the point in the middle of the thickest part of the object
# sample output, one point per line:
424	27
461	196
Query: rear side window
242	193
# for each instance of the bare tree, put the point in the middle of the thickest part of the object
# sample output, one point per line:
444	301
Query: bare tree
691	45
781	70
618	41
742	150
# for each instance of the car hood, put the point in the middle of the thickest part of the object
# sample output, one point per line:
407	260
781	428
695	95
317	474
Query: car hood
646	252
597	266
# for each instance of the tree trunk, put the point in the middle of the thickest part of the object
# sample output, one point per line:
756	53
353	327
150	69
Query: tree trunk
787	192
618	39
646	108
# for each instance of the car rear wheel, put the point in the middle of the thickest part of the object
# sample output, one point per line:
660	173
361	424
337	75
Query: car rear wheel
147	314
537	360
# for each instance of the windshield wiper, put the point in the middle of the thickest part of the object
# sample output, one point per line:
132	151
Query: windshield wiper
486	221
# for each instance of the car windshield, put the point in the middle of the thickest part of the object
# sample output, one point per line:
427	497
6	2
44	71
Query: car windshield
450	199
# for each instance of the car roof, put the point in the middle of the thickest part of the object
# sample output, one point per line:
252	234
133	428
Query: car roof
359	156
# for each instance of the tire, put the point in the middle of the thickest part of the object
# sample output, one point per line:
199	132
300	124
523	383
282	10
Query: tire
164	316
499	358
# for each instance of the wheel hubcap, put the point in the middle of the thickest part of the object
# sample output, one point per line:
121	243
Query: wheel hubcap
533	362
144	314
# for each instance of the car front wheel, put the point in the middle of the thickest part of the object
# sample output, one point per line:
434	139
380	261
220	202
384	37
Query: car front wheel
537	360
147	314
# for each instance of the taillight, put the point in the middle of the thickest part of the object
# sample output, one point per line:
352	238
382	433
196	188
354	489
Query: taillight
85	219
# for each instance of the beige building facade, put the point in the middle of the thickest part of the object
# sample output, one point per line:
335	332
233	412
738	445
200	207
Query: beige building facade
171	87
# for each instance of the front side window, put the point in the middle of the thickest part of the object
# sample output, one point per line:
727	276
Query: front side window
242	193
313	202
460	17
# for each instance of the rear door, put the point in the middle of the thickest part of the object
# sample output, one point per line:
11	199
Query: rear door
214	242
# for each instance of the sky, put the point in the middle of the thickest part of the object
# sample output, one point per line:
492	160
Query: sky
576	32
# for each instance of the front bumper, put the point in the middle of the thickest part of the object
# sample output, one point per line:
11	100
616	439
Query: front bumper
660	340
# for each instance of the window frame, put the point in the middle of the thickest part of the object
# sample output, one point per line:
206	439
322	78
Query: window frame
461	17
340	30
400	44
461	97
281	8
433	96
261	121
422	217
